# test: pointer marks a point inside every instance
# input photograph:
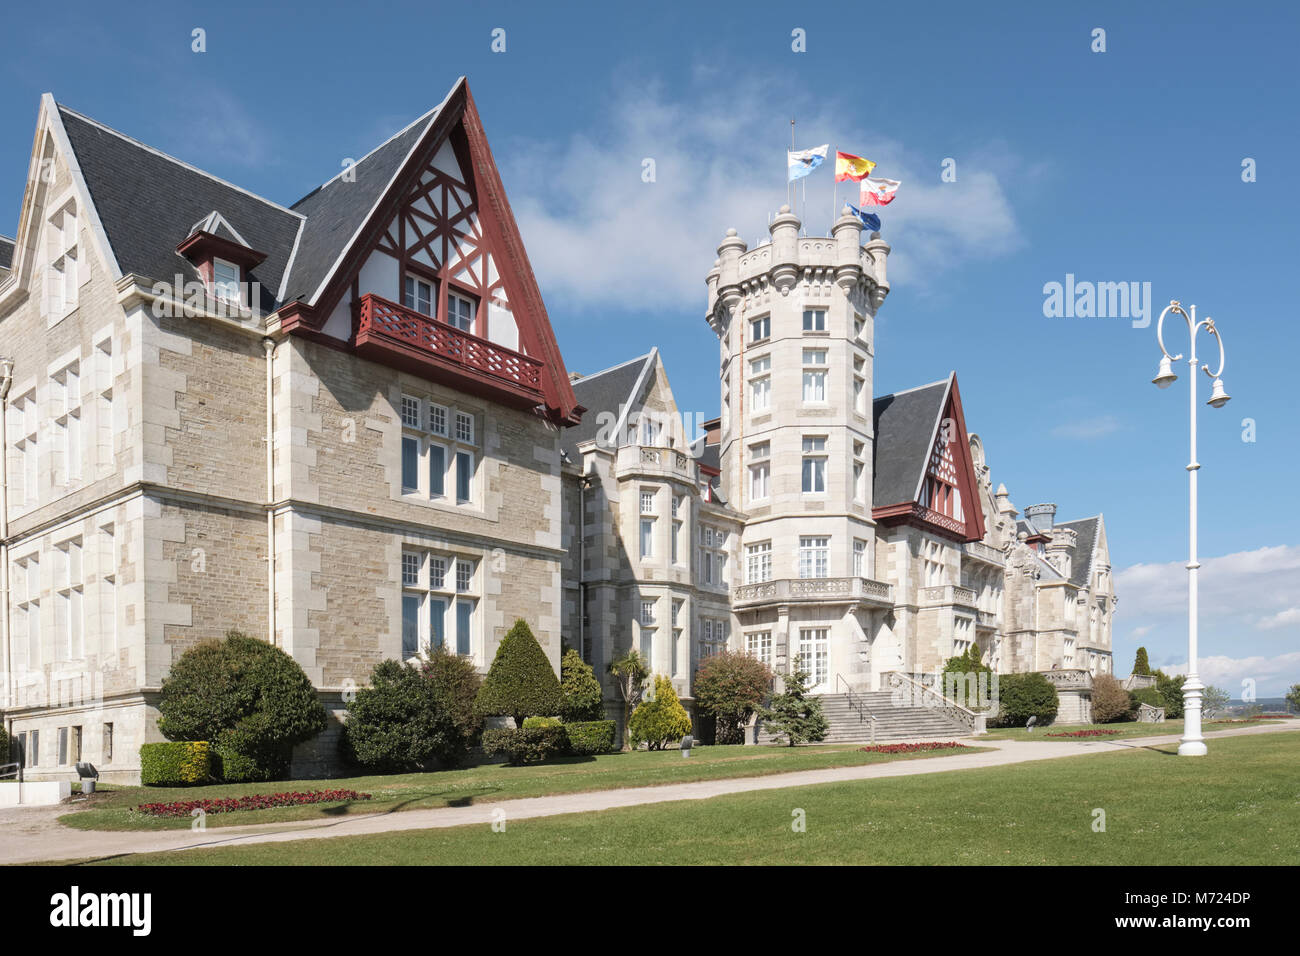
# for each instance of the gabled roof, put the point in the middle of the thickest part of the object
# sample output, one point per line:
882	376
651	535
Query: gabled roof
905	428
1086	531
6	253
612	391
149	202
336	210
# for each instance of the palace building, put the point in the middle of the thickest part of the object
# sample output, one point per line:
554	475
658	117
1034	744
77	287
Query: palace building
344	425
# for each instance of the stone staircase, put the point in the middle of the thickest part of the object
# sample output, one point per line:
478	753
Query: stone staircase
893	722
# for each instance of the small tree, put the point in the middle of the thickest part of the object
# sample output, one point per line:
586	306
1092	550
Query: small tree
1171	693
250	700
582	697
456	684
1293	697
1141	666
662	720
630	674
793	714
520	683
963	676
1213	700
1021	696
1110	701
400	723
731	686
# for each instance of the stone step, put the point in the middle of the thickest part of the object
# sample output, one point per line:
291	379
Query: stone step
892	722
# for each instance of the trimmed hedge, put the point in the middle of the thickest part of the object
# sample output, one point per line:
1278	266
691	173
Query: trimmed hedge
401	723
1021	696
532	722
589	737
181	764
582	697
529	745
520	683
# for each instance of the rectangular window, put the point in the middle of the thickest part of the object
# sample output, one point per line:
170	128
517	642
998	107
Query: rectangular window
814	375
34	759
813	654
464	626
63	746
460	311
647	537
437	572
410	625
410	464
68	581
814	465
417	294
814	320
647	502
759	481
814	557
75	755
465	428
226	281
410	569
758	562
437	615
760	386
647	612
677	533
108	743
410	411
66	402
464	476
437	419
464	575
760	328
437	470
860	558
758	644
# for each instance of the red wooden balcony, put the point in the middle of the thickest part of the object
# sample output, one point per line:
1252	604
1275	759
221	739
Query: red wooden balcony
406	339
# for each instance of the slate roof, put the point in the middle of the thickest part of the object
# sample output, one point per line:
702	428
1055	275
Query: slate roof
148	203
335	210
6	253
904	424
602	393
1081	566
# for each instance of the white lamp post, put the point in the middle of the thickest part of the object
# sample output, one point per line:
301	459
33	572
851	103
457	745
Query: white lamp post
1192	743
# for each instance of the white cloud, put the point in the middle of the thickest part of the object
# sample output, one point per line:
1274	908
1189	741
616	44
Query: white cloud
1244	585
598	235
1287	618
1142	631
1271	675
1088	428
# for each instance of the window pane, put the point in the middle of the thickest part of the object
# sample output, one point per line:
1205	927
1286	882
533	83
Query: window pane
410	625
464	621
464	475
437	471
437	610
410	464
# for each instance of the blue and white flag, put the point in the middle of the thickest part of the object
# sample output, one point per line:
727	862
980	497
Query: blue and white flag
804	161
870	220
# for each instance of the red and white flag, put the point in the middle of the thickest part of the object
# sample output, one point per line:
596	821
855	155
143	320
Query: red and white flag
879	192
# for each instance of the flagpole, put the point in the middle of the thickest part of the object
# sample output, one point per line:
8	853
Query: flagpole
790	183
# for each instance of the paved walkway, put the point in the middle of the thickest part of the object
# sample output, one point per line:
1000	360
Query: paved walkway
30	835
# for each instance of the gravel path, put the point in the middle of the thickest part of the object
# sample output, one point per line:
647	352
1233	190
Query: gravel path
34	834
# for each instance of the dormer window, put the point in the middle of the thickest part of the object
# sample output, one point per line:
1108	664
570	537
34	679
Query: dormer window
227	281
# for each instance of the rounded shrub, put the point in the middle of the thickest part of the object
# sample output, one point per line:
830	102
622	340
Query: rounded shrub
251	700
589	737
731	686
180	764
1021	696
401	723
531	723
660	721
456	684
520	683
526	746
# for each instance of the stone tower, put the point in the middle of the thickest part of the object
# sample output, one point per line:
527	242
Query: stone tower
795	321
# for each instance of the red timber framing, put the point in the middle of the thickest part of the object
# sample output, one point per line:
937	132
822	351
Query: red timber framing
947	467
443	231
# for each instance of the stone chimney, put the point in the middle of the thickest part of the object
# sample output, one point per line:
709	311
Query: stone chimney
1041	517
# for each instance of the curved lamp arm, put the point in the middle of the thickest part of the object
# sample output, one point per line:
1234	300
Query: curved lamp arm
1209	327
1175	307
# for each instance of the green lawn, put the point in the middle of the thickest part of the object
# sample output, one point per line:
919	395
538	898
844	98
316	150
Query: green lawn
1126	729
1239	805
110	807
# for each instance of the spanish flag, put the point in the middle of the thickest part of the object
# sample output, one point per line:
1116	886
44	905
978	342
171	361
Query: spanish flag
848	166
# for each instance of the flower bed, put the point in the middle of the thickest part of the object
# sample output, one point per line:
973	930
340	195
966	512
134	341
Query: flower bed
912	748
1087	733
255	801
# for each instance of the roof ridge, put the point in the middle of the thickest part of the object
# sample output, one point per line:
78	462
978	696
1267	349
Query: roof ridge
173	159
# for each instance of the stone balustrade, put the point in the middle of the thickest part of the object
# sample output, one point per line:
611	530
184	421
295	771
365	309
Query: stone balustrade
850	590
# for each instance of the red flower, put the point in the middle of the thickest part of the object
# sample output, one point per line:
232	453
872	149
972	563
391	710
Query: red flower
912	748
255	801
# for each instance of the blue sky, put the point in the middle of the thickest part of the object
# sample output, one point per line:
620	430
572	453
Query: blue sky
1117	166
